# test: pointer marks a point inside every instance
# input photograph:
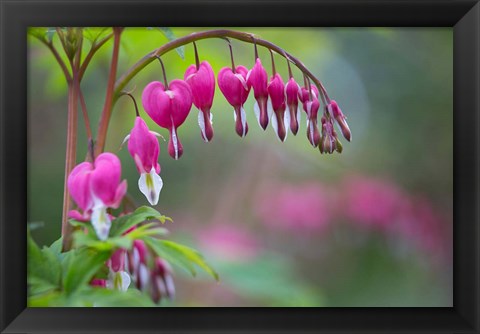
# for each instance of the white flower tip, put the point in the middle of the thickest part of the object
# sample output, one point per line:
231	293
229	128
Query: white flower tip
269	108
256	110
101	222
243	116
150	184
201	124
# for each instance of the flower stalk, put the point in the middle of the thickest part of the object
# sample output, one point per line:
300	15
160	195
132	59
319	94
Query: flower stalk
70	158
109	96
221	33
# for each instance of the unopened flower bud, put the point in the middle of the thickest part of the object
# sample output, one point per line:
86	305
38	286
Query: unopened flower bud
336	113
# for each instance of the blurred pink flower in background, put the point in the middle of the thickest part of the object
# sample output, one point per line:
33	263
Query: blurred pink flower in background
372	202
422	224
229	242
301	208
381	204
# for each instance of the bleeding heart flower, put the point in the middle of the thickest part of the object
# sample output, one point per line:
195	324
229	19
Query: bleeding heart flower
280	118
234	87
107	191
96	187
144	149
202	84
169	109
292	92
118	278
258	79
312	107
305	96
79	187
336	113
162	281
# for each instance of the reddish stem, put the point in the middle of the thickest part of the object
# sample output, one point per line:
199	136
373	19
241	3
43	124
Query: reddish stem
70	159
107	107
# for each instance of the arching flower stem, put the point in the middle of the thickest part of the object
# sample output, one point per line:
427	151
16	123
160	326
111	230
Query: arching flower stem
221	33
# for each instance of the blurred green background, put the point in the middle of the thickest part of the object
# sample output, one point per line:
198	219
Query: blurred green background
282	224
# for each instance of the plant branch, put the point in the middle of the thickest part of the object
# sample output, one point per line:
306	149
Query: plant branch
107	108
70	158
95	47
242	36
86	119
59	60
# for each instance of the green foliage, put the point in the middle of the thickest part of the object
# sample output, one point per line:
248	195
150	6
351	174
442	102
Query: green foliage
83	265
62	279
143	213
180	255
44	269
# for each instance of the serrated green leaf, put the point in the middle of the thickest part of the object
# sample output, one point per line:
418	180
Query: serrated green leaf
43	268
81	268
56	246
171	36
150	229
143	213
175	259
80	239
180	255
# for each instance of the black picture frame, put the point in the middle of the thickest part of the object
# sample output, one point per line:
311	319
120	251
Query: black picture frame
16	16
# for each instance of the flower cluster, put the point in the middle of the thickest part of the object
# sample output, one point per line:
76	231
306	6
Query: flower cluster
149	273
275	102
152	275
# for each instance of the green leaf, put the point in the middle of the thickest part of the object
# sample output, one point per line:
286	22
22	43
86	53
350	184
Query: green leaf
172	257
39	33
143	213
150	229
171	36
44	34
100	297
80	239
56	246
48	299
180	255
81	268
44	268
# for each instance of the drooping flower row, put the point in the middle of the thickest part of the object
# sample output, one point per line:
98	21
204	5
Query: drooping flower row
276	102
